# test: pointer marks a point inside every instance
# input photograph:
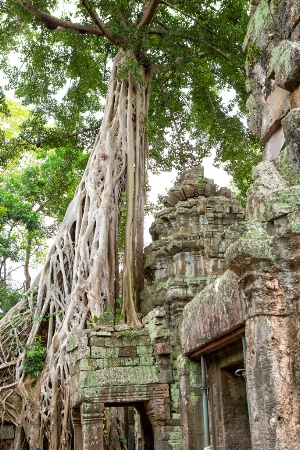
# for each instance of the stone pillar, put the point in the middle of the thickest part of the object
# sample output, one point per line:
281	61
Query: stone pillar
267	261
77	427
92	426
190	403
158	411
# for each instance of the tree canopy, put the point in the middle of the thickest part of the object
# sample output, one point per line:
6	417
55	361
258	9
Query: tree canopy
57	58
62	59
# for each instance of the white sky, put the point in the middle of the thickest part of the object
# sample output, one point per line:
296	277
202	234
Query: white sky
161	183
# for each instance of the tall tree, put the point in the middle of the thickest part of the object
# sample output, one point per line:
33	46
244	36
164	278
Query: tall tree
187	53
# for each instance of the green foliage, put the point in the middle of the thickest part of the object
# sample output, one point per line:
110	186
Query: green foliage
110	317
201	182
194	48
34	358
130	68
152	208
253	54
122	438
8	298
125	332
40	184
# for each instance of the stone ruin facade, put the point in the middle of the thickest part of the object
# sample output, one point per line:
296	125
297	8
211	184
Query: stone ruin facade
144	369
216	364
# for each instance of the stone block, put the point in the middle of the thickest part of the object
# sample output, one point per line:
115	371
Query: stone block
97	341
120	376
295	98
163	360
147	360
77	346
189	190
164	374
173	422
86	365
210	189
219	308
77	339
276	107
127	352
143	350
100	352
161	348
285	65
255	117
7	432
274	145
291	127
177	193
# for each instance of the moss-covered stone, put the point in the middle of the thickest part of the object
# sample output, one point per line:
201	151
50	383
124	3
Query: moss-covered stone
285	64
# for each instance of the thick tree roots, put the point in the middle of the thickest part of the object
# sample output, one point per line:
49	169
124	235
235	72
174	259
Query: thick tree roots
80	279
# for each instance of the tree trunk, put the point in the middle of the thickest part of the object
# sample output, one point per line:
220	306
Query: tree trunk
78	280
26	264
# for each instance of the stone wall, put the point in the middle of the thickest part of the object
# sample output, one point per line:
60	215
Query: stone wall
262	255
123	366
272	283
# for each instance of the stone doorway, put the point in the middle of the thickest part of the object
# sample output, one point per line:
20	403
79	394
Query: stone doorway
228	405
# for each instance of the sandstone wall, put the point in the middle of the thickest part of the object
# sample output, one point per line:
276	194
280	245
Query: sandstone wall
267	258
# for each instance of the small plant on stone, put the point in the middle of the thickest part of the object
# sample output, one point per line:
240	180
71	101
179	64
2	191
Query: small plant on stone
254	53
110	317
131	333
122	333
34	358
201	182
92	325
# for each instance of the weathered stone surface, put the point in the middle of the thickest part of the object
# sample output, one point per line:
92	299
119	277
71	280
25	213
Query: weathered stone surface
251	242
219	308
7	432
295	98
190	403
161	348
255	116
285	65
228	399
92	426
126	365
276	107
274	145
188	246
289	162
267	182
271	23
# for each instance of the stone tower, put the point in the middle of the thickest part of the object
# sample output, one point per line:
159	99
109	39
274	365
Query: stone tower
187	251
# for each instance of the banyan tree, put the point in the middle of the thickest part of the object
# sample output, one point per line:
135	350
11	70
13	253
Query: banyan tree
185	54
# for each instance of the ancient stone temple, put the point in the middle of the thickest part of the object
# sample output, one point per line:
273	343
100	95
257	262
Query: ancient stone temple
143	369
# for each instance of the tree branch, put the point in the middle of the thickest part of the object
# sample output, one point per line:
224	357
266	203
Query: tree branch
113	38
148	13
157	31
177	62
210	30
52	22
216	49
44	141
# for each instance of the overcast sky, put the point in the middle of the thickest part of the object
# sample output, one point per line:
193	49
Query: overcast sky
161	183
